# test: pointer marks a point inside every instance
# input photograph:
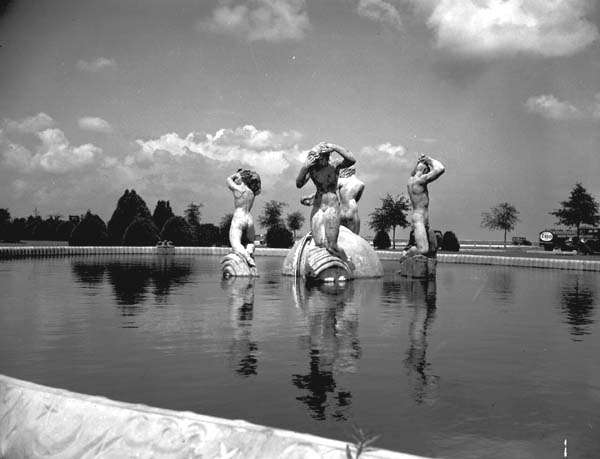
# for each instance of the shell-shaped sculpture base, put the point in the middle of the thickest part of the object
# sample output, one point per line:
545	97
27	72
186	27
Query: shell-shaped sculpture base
418	267
315	263
235	265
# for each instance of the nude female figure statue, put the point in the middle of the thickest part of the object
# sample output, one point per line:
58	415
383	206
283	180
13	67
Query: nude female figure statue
245	186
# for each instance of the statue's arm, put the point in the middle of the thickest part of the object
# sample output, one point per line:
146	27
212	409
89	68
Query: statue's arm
308	200
231	183
436	168
303	175
348	158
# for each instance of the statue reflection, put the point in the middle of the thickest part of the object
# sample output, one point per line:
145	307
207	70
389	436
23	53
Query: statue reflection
421	296
243	351
578	298
333	347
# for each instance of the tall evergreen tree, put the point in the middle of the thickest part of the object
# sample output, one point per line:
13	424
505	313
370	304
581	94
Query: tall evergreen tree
580	209
129	206
162	212
91	230
177	230
271	216
5	223
141	232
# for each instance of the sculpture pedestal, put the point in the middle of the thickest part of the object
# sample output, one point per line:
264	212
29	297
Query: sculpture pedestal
314	263
235	265
418	267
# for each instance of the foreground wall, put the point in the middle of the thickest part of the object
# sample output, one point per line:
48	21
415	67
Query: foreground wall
40	422
529	262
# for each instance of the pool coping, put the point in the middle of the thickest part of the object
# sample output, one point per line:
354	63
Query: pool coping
41	421
460	258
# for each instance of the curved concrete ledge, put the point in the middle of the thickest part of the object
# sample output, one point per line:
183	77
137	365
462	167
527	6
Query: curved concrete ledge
38	421
62	251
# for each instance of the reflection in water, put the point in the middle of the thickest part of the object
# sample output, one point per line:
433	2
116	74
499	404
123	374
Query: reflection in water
578	298
421	295
243	351
132	279
501	283
333	346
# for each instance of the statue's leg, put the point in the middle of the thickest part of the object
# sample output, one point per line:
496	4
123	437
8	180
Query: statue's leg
332	231
235	239
421	236
317	226
250	236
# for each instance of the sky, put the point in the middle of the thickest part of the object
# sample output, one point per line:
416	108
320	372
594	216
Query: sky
170	97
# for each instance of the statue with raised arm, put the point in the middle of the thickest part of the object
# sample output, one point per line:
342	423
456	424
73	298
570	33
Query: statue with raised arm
245	186
325	213
332	251
425	171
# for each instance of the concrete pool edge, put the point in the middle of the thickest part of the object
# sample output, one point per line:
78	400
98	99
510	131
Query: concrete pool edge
460	258
38	421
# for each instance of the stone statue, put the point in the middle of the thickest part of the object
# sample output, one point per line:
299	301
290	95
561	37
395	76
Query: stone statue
349	190
425	171
245	186
331	252
325	213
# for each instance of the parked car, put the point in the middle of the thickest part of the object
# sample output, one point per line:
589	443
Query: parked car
520	240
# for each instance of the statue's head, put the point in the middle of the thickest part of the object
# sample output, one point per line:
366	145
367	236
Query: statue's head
251	179
420	168
347	172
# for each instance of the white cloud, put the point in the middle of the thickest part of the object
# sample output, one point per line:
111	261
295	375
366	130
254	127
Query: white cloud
496	27
49	150
380	11
384	153
269	20
57	155
96	65
90	123
30	124
263	150
596	108
549	106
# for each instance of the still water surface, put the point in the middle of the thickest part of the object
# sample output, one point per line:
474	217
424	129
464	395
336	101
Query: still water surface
485	362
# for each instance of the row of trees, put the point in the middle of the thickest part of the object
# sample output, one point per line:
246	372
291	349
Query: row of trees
580	209
132	224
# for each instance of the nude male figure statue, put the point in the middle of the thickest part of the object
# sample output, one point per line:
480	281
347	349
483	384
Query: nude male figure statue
425	171
245	186
325	213
349	190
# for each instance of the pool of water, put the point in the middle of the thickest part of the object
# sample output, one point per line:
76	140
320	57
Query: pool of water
485	362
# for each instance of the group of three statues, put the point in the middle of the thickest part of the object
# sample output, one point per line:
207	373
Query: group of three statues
332	250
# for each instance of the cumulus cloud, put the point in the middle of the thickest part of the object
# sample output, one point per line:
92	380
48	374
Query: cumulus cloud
269	20
90	123
496	27
30	124
51	151
380	11
266	151
96	65
549	106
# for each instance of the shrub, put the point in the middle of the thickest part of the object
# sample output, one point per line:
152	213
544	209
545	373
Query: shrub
90	231
382	241
178	231
208	234
64	230
141	231
279	237
450	242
